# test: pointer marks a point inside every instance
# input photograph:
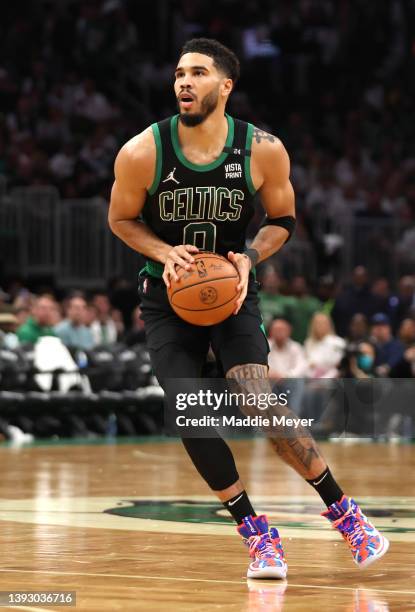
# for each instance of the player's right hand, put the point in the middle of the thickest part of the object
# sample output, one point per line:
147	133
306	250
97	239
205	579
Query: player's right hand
180	255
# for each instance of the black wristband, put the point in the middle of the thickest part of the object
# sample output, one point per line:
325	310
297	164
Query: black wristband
253	256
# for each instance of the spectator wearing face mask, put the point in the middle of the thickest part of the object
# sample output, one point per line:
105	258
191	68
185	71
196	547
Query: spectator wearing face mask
356	415
362	364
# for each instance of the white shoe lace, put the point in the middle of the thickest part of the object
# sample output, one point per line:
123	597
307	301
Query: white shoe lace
268	549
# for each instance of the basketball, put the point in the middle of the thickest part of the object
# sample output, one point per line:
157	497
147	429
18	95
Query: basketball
206	294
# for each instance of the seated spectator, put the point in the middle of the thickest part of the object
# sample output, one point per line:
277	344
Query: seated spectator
323	349
41	321
22	314
326	292
400	305
286	359
73	330
362	364
103	328
271	302
56	312
8	337
354	298
389	350
406	332
358	331
381	291
405	368
136	335
355	416
24	301
305	305
116	316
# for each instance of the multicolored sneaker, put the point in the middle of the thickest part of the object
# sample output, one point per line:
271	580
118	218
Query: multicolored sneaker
265	548
364	540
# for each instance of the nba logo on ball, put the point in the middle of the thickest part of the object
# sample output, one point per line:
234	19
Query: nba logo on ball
208	295
201	268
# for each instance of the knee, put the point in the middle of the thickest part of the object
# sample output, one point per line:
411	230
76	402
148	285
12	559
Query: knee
213	460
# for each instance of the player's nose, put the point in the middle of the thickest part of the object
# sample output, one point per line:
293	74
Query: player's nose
186	81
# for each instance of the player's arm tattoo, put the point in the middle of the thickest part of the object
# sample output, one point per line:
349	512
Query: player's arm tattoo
260	135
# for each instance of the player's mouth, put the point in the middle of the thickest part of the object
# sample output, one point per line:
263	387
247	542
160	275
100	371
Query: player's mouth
186	100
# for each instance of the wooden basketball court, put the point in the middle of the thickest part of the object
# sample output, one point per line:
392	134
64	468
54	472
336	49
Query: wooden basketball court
133	527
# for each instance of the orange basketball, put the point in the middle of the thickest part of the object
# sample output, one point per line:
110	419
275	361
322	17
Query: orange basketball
206	294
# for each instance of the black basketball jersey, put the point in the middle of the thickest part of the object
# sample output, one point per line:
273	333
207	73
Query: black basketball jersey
207	205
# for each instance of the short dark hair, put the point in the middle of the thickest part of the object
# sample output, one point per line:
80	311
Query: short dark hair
223	58
281	318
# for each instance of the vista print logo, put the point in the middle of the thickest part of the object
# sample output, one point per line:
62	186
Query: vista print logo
233	171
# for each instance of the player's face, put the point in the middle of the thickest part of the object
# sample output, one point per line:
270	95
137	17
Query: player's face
198	87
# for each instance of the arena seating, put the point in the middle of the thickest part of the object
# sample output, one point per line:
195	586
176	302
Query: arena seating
120	395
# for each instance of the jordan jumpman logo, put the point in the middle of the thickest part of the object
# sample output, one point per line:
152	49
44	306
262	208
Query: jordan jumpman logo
170	177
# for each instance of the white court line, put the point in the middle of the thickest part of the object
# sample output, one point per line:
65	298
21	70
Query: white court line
141	577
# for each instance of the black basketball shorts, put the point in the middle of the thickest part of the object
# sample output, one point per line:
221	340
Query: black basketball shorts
179	349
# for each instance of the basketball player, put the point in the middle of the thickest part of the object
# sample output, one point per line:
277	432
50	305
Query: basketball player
187	183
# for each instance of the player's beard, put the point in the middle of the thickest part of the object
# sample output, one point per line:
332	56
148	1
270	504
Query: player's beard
208	105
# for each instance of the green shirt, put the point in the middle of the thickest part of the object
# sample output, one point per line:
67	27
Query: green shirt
31	331
275	306
301	315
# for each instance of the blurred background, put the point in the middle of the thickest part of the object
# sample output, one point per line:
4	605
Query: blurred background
334	79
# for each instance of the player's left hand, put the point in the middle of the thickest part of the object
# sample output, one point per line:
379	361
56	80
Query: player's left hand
243	265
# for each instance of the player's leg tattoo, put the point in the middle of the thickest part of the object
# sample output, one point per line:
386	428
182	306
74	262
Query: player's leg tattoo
300	454
294	445
248	371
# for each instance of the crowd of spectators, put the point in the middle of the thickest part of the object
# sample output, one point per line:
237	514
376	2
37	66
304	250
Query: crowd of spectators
360	330
81	322
334	79
336	321
310	332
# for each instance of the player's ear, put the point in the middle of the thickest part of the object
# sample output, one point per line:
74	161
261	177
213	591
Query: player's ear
227	85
